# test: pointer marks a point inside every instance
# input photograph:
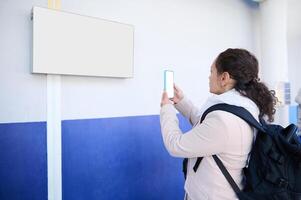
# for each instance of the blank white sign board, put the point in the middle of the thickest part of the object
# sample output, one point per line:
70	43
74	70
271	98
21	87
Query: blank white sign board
72	44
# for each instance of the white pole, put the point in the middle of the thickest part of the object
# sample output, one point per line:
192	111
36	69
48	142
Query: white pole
274	64
54	135
54	143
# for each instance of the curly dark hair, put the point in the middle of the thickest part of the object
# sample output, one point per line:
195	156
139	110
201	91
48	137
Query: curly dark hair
242	66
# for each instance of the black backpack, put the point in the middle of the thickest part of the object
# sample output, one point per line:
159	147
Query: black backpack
274	168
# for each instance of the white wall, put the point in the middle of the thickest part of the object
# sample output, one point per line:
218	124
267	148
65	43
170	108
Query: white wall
22	95
181	35
294	45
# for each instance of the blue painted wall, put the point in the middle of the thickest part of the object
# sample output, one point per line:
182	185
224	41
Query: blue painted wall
112	158
119	158
23	161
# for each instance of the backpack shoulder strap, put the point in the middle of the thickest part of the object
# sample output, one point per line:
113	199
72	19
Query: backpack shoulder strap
226	174
236	110
243	114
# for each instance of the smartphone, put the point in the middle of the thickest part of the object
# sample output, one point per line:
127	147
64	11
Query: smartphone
168	83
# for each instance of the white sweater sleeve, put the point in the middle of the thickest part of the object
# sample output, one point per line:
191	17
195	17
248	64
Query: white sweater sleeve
208	138
190	111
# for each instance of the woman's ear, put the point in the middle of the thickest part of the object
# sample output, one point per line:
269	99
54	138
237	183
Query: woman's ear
227	81
225	78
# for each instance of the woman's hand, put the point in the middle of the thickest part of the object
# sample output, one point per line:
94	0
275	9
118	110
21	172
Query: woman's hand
165	100
178	94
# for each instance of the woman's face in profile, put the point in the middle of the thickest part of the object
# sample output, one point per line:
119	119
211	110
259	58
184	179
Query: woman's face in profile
215	81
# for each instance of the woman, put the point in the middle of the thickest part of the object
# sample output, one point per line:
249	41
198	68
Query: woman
233	80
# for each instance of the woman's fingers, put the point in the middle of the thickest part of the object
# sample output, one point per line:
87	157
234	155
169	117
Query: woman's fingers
178	94
178	91
176	88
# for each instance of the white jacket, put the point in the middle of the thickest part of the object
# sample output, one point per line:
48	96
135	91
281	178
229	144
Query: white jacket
221	133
